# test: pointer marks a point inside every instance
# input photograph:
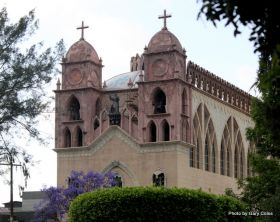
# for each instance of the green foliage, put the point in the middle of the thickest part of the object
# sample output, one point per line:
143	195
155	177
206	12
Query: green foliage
266	109
263	190
24	73
262	17
154	204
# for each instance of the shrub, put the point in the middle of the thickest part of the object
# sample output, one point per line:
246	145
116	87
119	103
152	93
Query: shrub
154	204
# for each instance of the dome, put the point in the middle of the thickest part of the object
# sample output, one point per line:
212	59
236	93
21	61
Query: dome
121	81
164	40
82	51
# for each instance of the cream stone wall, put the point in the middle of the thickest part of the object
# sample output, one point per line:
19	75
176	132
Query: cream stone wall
115	150
220	113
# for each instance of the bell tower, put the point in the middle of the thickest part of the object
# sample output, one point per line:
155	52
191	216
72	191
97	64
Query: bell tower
164	93
78	95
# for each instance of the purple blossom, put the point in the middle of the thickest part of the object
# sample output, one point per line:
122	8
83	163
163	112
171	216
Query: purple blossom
58	199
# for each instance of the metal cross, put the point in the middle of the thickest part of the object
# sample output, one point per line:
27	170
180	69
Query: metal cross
164	17
82	28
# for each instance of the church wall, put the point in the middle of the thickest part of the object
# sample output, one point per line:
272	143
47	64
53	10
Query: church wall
135	150
136	167
87	100
207	181
173	90
219	112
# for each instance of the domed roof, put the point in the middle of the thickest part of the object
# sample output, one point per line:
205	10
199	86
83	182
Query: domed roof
81	51
164	40
121	81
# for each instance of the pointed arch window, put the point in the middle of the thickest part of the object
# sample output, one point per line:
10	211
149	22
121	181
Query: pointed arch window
197	153
118	181
191	157
96	124
236	163
158	179
97	107
165	131
228	162
67	138
206	155
213	159
184	102
74	109
222	158
79	137
152	132
159	102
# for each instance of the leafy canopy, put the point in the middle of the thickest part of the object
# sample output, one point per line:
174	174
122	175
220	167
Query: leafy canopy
24	73
262	17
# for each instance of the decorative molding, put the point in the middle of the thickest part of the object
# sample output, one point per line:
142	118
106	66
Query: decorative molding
213	85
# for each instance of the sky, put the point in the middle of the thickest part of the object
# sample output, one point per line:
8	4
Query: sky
118	29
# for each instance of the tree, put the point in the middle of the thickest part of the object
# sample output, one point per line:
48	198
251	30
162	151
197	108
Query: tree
58	199
23	75
263	18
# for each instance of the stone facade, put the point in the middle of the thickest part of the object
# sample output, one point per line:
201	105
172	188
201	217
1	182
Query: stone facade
166	122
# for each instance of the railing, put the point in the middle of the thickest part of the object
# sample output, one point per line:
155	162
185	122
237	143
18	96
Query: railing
221	89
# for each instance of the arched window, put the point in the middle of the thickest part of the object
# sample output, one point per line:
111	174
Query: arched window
79	137
222	158
213	158
206	155
152	132
74	109
67	138
191	157
96	124
184	102
165	131
159	102
236	163
97	107
197	153
158	179
118	181
228	162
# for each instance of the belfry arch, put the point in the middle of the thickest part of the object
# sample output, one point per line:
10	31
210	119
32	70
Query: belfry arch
67	138
74	108
152	131
159	101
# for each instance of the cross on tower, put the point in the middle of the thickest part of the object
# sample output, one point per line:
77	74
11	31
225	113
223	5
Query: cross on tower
164	17
82	28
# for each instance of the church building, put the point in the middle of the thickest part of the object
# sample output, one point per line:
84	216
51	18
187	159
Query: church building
167	122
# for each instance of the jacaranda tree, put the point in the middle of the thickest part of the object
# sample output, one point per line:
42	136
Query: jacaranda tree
57	201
